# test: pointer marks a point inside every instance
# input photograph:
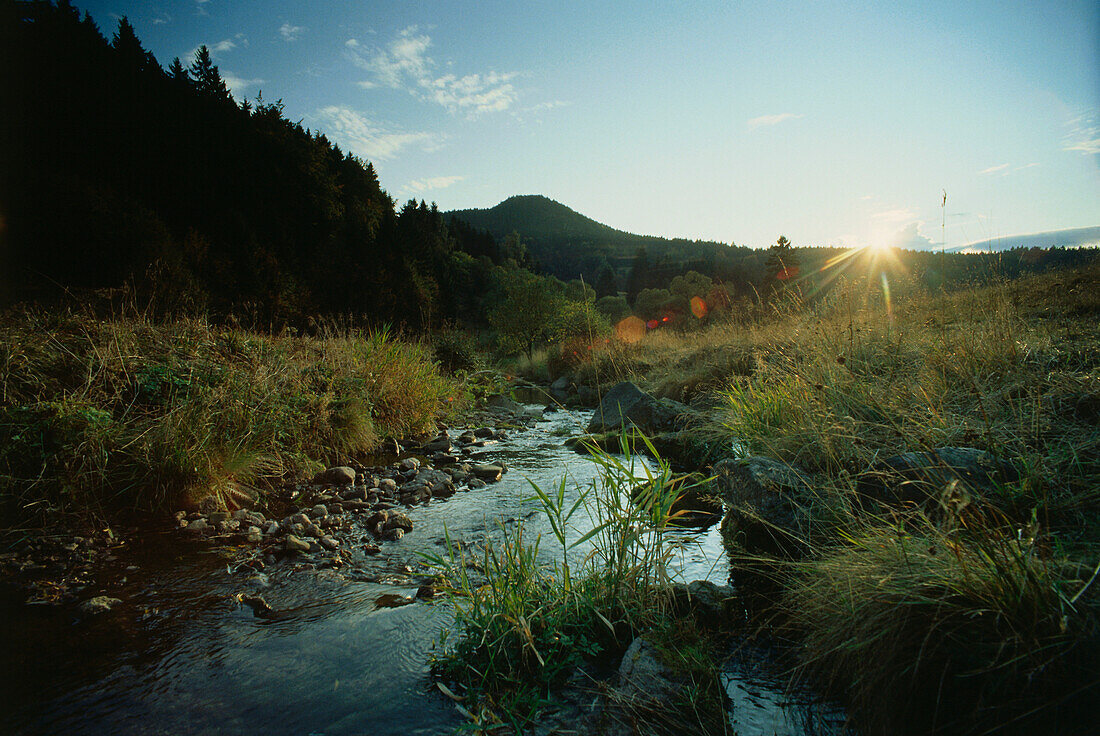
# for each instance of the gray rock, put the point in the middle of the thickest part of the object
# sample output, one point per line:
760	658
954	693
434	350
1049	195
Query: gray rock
397	521
439	444
216	516
354	494
627	405
393	535
713	606
643	675
476	483
409	463
467	437
340	475
198	526
319	511
484	432
329	543
946	479
272	527
503	405
487	472
293	544
387	485
99	604
767	501
254	535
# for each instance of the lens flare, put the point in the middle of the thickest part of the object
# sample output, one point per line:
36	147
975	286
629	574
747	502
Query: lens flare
630	329
698	307
886	296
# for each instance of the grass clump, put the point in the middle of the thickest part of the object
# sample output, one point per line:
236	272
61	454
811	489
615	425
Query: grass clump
527	617
100	414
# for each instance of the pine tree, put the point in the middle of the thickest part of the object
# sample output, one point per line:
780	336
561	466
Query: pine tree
639	275
208	80
782	263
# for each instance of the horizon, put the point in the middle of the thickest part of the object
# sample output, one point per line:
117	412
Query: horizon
836	125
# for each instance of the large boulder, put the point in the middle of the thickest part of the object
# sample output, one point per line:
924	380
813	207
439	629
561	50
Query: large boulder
626	405
643	675
340	475
767	503
943	479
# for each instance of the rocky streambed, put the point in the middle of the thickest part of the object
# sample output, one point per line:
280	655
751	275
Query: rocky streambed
316	614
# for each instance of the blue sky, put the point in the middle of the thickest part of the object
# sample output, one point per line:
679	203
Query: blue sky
832	123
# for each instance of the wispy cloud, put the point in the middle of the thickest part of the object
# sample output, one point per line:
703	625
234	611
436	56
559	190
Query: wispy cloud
289	32
417	186
221	47
238	85
404	63
994	169
767	120
200	7
369	139
1026	166
1084	136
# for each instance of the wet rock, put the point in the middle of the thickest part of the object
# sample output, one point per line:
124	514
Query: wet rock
768	502
393	535
392	600
627	405
467	437
387	485
254	535
319	511
98	605
488	472
409	463
198	526
441	458
340	475
355	505
226	527
439	444
334	508
294	544
371	548
272	527
354	494
329	543
475	483
312	530
397	521
425	592
217	516
484	432
260	607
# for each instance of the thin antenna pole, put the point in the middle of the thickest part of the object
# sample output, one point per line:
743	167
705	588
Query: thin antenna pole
943	242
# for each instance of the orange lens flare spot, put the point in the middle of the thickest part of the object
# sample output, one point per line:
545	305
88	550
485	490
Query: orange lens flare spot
630	329
652	324
698	307
787	273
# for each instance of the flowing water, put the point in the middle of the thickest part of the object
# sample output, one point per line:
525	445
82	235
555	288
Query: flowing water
181	655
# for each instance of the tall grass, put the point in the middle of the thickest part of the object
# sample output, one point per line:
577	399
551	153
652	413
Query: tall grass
101	413
526	617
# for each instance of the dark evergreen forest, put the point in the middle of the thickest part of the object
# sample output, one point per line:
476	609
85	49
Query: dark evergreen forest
117	171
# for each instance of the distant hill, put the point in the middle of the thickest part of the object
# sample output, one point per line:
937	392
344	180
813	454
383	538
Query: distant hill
570	245
1073	238
541	218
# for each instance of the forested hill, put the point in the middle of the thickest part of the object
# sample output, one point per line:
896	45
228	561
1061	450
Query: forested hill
116	170
568	244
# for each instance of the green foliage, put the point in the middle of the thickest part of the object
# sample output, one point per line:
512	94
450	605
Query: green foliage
525	311
529	616
614	308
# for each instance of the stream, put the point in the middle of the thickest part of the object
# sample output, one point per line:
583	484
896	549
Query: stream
181	655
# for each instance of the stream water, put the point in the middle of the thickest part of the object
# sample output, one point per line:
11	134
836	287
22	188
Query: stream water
180	655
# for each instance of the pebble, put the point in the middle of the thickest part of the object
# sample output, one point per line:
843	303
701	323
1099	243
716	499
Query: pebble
99	604
293	544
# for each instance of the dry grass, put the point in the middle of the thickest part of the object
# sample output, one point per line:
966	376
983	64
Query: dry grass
101	413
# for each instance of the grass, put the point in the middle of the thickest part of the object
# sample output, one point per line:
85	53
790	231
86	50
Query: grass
527	617
977	619
123	412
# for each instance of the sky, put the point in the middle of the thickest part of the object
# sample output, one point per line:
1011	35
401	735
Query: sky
832	123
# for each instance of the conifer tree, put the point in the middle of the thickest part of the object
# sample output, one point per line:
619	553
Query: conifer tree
208	80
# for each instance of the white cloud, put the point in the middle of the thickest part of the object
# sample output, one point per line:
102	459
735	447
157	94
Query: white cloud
405	64
911	238
767	120
238	85
1025	166
368	139
289	32
994	169
220	47
417	186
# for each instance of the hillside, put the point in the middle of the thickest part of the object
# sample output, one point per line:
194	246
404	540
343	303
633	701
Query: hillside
570	245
